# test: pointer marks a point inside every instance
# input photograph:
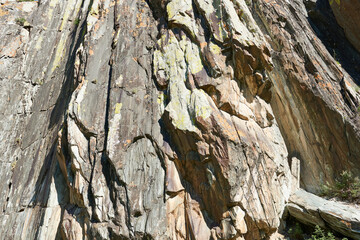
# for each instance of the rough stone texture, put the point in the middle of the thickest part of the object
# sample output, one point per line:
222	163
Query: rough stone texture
311	209
310	99
173	119
347	15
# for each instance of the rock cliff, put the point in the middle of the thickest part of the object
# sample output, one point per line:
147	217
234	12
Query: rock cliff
175	119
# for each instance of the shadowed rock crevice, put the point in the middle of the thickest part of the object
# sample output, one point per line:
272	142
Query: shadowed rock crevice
313	210
69	84
323	21
306	95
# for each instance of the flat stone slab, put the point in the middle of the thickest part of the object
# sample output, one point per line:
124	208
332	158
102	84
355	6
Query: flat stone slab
314	210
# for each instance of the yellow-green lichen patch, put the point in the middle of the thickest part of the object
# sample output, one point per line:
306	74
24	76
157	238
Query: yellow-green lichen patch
174	7
171	10
176	59
214	48
69	9
177	11
170	59
200	104
59	53
161	98
192	55
337	1
219	33
181	121
13	165
118	107
207	7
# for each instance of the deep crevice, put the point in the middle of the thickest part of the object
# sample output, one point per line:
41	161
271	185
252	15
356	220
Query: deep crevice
324	24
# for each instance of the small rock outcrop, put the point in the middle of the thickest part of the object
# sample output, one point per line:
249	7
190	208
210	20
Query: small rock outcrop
173	119
311	209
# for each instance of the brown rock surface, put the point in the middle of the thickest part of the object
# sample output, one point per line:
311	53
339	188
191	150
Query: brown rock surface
168	119
348	17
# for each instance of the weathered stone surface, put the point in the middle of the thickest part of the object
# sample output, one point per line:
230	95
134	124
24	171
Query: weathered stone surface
347	15
311	209
310	94
173	119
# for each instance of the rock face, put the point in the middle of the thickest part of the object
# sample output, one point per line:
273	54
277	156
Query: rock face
347	15
311	209
167	119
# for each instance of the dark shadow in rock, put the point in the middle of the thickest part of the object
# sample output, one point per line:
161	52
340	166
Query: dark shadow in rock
323	22
170	138
294	229
43	182
68	85
114	183
50	170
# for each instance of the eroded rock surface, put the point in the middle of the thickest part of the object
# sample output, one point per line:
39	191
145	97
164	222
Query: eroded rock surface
311	209
347	15
179	119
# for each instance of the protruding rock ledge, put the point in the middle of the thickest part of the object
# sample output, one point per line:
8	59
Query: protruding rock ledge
313	210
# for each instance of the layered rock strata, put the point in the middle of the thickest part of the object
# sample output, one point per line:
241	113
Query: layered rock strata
347	15
313	210
162	119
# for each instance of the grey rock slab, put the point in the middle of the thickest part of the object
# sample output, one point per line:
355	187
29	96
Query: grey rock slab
311	209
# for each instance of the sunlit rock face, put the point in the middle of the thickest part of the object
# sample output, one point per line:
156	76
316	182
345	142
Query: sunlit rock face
347	15
171	119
